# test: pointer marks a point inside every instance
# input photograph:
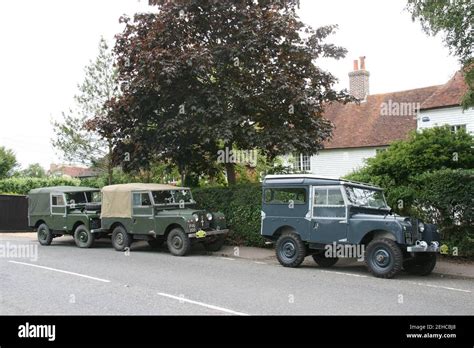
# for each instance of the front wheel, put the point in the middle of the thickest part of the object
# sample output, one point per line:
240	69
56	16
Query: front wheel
83	237
422	264
178	242
290	250
45	236
383	258
121	239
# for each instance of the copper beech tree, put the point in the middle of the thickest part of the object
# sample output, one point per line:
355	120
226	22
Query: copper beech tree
198	76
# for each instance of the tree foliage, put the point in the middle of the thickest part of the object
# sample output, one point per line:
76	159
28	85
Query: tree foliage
455	20
428	150
202	75
34	170
7	162
74	138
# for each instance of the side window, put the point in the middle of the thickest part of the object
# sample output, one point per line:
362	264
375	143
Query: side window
285	195
328	203
141	199
57	200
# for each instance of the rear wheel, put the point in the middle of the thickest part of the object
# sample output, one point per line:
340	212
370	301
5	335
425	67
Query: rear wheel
215	245
324	261
383	258
45	236
422	264
178	242
121	239
83	237
290	249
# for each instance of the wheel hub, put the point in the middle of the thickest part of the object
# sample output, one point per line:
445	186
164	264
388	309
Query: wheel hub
382	258
177	242
289	249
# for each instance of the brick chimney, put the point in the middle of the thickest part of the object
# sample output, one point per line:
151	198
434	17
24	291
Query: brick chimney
359	80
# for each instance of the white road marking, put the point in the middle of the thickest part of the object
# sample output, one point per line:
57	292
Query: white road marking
182	299
442	287
228	258
61	271
343	273
260	263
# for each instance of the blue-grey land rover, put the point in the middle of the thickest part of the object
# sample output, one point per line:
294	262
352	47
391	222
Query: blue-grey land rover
308	215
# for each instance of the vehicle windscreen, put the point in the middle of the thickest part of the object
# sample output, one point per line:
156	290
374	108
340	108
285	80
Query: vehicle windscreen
365	197
172	197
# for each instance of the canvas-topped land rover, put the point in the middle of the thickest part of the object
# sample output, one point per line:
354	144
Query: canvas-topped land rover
59	210
158	213
307	215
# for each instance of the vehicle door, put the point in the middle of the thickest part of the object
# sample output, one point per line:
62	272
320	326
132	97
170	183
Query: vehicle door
143	221
58	211
329	222
286	206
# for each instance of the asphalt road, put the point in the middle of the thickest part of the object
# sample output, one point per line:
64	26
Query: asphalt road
71	281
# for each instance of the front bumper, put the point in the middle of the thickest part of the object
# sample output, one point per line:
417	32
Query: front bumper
208	233
424	247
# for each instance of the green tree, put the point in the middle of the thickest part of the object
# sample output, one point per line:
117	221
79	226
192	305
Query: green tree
200	75
75	138
431	149
34	170
398	168
7	162
455	20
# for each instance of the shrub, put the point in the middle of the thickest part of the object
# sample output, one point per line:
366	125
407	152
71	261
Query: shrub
241	205
22	185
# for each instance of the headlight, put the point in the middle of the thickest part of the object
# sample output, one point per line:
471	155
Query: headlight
209	216
196	217
421	227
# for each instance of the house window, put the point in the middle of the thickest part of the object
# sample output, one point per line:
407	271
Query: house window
456	128
302	163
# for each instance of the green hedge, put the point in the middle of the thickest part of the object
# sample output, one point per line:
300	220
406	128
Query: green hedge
22	186
241	205
446	197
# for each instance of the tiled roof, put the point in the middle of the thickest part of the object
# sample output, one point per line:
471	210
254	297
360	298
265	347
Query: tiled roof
449	94
364	125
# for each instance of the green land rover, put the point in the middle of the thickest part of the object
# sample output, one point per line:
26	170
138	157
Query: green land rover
59	210
158	213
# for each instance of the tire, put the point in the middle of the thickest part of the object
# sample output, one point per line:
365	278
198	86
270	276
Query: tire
422	264
178	242
121	239
324	261
383	258
83	237
45	236
290	250
156	243
215	245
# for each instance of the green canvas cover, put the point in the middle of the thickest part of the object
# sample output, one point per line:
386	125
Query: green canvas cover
39	199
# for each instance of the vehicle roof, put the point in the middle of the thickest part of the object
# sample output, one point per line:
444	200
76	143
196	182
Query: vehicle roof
64	189
140	187
311	179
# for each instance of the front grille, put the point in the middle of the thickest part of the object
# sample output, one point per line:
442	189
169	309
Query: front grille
415	232
203	222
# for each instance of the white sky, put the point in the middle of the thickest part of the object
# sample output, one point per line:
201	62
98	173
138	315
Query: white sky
46	44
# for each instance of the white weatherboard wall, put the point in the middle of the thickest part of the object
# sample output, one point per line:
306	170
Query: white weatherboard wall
340	162
452	116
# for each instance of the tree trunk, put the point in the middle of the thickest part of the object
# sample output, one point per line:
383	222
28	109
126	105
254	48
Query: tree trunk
110	165
230	170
